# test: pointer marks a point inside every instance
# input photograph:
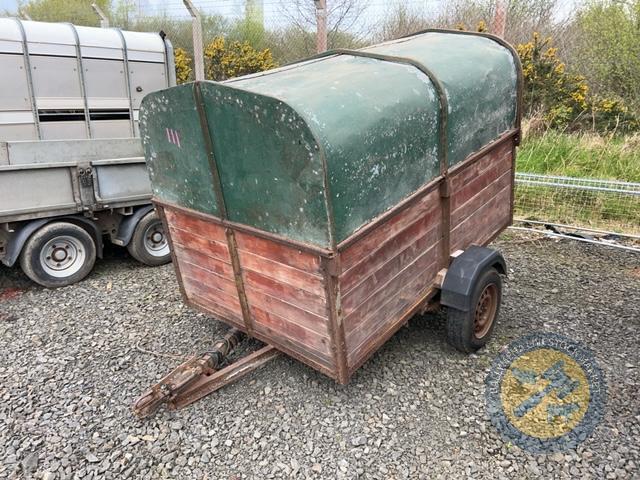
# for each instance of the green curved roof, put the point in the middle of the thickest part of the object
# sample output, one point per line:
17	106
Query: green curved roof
315	150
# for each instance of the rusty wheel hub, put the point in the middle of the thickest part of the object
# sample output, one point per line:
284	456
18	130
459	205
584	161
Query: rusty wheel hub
485	310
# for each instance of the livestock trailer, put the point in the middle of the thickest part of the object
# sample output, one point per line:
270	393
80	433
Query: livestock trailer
71	163
318	206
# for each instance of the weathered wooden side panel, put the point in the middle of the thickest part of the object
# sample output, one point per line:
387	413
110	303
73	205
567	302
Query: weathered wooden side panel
285	292
201	251
385	272
284	286
481	197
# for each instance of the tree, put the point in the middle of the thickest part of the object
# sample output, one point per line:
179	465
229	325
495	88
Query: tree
342	16
233	59
608	49
78	12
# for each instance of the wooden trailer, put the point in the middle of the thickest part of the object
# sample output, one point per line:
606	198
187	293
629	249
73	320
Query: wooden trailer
318	206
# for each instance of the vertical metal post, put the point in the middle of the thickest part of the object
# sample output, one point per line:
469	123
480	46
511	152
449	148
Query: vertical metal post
321	25
27	69
81	79
499	23
198	50
104	21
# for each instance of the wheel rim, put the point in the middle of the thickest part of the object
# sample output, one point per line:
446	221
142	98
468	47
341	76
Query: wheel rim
155	241
62	256
485	310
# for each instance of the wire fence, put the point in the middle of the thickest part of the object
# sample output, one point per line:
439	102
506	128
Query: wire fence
594	204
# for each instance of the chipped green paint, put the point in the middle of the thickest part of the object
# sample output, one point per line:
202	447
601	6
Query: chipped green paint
174	149
315	150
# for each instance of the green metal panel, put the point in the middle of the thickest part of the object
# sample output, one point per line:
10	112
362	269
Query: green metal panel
377	124
175	151
270	167
480	79
316	150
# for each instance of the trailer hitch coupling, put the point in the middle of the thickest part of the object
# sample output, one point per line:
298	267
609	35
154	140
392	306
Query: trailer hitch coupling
201	375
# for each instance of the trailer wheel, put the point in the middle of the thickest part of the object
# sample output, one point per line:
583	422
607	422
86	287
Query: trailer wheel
58	254
471	330
149	243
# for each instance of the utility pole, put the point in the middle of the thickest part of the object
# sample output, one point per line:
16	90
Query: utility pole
104	21
198	50
321	25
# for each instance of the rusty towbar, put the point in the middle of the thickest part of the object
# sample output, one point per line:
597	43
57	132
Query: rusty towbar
201	375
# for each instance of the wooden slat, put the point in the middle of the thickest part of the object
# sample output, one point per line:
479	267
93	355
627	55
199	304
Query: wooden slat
378	279
288	293
466	175
370	305
465	192
483	224
387	250
217	311
309	281
208	278
278	252
354	253
212	294
203	245
294	332
483	196
190	223
368	331
196	258
303	317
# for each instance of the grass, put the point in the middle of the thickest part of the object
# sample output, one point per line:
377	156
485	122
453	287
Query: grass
581	155
586	156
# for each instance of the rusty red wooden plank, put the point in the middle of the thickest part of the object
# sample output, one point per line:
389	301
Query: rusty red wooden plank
200	244
210	263
208	278
355	252
190	223
495	170
211	294
216	310
464	175
378	281
481	226
391	308
309	281
278	252
480	198
368	306
278	325
385	332
387	250
288	293
294	313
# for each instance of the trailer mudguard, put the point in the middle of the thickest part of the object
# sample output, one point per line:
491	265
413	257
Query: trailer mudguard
18	238
128	225
463	273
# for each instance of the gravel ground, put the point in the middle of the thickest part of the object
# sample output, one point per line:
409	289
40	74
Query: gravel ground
73	359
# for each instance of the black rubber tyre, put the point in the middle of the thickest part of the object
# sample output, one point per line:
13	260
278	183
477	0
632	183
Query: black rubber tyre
469	331
58	254
149	244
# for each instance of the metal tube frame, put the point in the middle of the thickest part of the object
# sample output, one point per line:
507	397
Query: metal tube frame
27	67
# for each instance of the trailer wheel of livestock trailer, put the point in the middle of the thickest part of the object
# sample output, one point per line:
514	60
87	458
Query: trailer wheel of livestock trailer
72	171
319	206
